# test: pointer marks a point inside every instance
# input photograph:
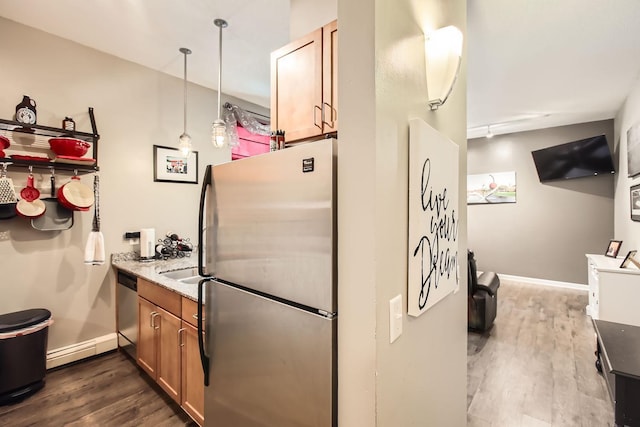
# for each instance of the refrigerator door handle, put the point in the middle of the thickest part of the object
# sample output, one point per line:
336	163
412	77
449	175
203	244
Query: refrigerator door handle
201	225
204	358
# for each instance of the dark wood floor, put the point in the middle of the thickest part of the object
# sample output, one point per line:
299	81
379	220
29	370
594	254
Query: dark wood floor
108	390
536	366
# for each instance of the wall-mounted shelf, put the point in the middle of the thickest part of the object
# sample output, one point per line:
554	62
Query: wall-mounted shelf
34	140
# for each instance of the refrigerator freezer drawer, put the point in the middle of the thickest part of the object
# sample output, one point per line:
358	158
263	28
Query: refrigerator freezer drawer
271	364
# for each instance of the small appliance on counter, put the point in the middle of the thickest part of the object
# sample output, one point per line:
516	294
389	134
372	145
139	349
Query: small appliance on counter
147	244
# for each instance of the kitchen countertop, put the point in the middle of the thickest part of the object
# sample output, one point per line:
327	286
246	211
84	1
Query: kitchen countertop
151	270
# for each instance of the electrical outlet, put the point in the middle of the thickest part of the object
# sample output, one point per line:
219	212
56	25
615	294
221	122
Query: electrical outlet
395	318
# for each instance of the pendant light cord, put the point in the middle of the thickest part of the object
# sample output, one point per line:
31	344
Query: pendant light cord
185	92
220	23
220	72
186	52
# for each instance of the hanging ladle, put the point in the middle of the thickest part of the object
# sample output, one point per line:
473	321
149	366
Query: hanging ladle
30	193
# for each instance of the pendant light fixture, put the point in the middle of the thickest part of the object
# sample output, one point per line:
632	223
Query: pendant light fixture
185	140
219	128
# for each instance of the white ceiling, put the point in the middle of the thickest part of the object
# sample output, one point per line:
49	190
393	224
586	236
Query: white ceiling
150	32
541	63
531	64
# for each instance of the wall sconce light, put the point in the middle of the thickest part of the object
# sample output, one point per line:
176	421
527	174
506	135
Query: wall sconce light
489	133
443	53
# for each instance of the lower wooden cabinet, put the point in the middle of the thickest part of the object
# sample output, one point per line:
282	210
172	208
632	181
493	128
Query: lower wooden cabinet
169	355
192	374
147	349
159	352
168	346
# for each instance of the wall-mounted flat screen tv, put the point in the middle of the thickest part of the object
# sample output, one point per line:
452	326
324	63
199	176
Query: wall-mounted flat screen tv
577	159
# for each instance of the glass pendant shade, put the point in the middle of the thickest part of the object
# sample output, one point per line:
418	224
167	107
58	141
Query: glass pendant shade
184	144
218	133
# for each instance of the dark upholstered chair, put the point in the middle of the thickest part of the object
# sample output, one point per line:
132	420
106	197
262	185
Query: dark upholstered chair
483	297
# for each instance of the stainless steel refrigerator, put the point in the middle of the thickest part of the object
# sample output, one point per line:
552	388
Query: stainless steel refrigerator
268	244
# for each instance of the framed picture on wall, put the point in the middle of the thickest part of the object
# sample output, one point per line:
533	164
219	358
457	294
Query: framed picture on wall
629	258
613	248
169	165
634	194
633	150
489	188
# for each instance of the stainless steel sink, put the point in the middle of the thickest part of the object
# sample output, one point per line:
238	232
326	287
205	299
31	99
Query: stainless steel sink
186	275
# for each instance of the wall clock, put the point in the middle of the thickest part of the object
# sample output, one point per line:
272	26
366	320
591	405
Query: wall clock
26	111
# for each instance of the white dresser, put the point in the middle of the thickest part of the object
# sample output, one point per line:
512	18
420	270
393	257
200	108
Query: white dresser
614	292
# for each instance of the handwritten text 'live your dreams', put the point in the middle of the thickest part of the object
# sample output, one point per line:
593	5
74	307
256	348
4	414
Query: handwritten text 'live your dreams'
437	253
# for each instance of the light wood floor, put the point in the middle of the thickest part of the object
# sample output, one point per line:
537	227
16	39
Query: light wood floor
105	391
535	367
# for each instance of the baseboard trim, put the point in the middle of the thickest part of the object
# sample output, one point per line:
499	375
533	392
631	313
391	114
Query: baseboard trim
545	282
82	350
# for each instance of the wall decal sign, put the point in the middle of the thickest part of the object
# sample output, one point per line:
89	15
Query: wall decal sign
433	217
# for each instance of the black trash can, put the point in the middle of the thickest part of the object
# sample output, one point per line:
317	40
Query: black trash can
23	353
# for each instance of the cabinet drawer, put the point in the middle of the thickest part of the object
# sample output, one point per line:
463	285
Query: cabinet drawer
190	311
160	296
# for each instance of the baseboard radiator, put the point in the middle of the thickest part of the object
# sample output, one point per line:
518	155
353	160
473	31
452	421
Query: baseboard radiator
82	350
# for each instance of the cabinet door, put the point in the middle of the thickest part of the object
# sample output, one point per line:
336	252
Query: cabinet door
148	322
296	87
330	77
192	375
169	365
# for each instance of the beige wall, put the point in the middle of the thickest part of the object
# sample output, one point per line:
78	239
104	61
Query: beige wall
625	229
420	379
547	232
135	108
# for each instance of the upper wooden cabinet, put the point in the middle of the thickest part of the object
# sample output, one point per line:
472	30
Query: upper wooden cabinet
304	85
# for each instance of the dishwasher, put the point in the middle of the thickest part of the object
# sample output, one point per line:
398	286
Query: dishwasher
127	320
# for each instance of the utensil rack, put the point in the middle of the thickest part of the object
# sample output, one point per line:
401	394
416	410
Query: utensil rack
41	142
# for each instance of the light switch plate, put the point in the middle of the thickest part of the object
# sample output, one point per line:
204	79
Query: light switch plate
395	318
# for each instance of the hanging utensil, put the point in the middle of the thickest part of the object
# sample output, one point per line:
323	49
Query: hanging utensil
8	210
76	195
56	217
30	206
29	193
7	191
28	209
94	250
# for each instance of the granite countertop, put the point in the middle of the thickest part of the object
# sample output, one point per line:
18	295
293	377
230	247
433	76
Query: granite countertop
150	271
